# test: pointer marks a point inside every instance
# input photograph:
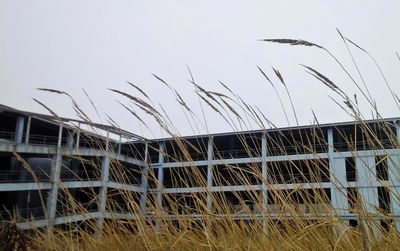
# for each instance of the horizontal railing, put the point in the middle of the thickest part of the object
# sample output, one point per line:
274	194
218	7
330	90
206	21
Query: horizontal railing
79	208
49	140
171	157
77	175
237	153
39	212
35	139
23	214
365	145
16	176
9	136
297	208
297	148
84	143
183	182
297	178
236	178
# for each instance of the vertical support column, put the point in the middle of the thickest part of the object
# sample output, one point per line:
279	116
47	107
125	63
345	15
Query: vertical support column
145	177
108	141
119	146
264	168
333	177
394	180
394	160
28	129
60	131
78	136
19	130
160	177
105	170
210	157
264	173
366	171
337	178
330	143
55	182
70	140
53	195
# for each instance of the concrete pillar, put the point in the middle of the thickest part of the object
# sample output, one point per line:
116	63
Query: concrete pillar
264	170
119	145
393	170
366	170
338	185
366	178
15	164
108	141
394	182
210	157
337	178
368	193
60	136
78	135
28	129
332	169
145	179
394	176
102	199
393	159
160	175
55	182
19	129
70	139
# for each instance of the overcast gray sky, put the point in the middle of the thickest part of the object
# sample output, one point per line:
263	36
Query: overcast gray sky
95	45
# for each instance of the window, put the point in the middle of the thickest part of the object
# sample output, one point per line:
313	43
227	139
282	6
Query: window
381	163
386	224
384	199
353	223
352	197
351	174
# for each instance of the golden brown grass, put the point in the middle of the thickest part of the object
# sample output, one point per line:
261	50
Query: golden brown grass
296	221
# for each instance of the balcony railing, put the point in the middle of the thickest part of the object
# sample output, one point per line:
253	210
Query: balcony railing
297	208
85	143
35	139
16	176
238	153
20	176
297	178
79	175
185	182
79	208
364	145
22	214
240	180
296	149
8	136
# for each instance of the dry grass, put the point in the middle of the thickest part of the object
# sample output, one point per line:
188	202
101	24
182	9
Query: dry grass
242	220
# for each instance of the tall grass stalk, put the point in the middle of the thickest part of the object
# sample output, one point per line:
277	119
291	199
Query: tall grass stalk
292	218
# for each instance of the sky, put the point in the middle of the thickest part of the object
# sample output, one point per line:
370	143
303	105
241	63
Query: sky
97	45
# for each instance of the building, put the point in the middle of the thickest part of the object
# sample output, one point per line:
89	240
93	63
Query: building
49	163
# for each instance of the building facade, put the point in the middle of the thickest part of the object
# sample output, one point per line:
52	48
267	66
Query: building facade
57	171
